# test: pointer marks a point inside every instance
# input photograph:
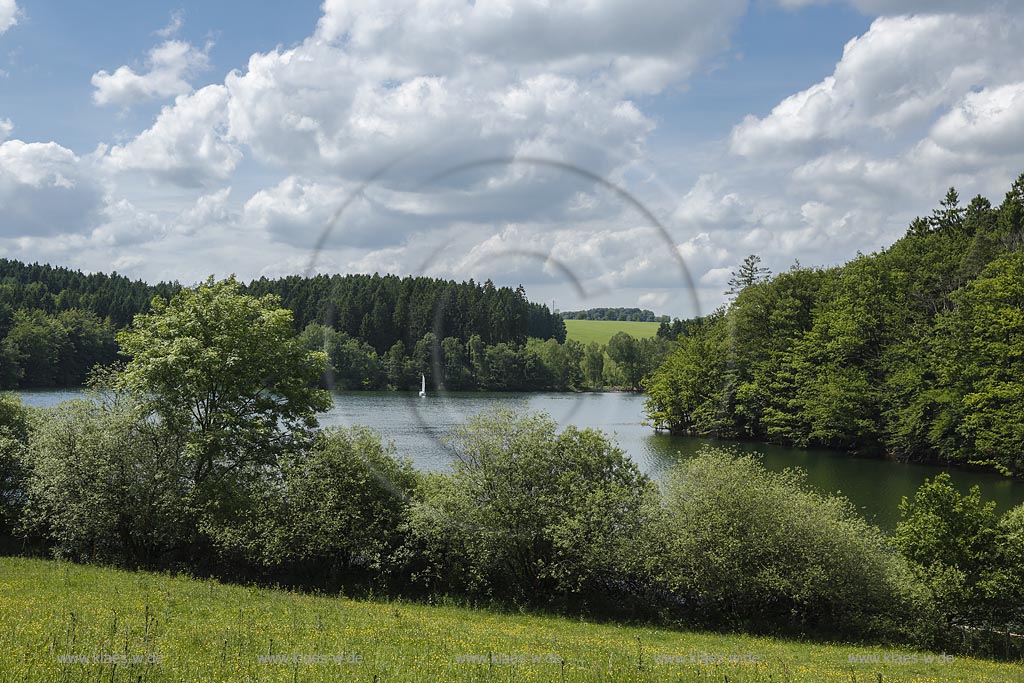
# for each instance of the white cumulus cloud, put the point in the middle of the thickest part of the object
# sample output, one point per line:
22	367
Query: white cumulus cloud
889	79
8	14
169	66
891	7
186	145
45	189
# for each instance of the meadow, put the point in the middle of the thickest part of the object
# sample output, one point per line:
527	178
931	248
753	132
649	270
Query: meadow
65	622
600	331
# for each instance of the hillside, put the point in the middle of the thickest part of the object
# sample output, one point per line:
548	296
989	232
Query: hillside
54	615
600	331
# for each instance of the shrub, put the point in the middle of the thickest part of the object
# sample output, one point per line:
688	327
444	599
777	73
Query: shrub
335	510
103	485
14	432
747	548
972	560
1011	560
952	540
530	514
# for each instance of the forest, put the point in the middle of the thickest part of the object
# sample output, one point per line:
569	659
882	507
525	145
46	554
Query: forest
915	352
637	315
57	324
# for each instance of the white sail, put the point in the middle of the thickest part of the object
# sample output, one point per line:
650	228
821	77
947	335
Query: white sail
423	386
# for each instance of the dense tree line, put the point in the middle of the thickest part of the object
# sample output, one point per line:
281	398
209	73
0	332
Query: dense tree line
56	324
619	314
916	351
380	332
384	309
53	289
203	452
40	349
453	365
673	330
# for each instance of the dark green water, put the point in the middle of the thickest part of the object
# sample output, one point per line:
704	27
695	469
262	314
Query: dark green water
417	425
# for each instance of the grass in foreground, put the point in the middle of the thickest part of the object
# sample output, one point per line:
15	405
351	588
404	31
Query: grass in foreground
66	622
600	331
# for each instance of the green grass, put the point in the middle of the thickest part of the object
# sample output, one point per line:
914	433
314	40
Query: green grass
206	631
601	331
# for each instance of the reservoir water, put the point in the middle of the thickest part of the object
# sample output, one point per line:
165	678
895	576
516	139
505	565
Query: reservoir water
417	427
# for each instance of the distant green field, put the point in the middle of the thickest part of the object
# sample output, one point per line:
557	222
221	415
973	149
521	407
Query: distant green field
601	331
62	622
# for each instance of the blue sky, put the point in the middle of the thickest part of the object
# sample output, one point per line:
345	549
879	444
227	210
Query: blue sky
140	137
57	47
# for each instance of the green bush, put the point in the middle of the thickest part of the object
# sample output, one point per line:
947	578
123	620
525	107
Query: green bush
530	514
335	510
1011	560
103	485
746	548
14	431
971	559
951	539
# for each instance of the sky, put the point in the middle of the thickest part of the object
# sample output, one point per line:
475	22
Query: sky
598	152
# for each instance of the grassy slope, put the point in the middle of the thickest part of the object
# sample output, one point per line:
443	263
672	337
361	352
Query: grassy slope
207	631
601	331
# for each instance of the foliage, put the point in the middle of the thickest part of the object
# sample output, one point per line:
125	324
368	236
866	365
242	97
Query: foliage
915	351
749	274
969	557
104	485
754	549
226	372
384	309
685	392
637	315
677	328
593	365
56	324
529	513
979	351
53	289
40	349
636	358
336	507
352	364
1010	563
14	434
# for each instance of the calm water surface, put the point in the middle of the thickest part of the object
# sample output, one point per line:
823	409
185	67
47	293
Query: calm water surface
417	426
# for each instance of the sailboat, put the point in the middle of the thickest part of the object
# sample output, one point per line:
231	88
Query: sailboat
423	386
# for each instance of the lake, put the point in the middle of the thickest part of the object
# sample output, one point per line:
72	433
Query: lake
417	426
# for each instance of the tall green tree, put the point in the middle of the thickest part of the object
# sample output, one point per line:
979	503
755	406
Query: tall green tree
593	364
980	359
953	540
628	353
227	371
750	273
